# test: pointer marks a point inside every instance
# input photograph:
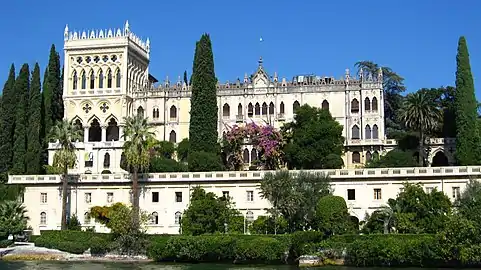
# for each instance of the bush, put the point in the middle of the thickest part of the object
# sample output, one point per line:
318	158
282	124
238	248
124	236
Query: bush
73	224
99	246
302	242
5	243
75	242
204	162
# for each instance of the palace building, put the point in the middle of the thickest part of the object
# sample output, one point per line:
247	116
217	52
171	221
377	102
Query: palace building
107	78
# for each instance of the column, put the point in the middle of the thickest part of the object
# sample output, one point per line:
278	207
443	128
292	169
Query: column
121	133
104	133
86	134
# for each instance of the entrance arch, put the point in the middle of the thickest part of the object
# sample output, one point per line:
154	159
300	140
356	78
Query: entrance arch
440	160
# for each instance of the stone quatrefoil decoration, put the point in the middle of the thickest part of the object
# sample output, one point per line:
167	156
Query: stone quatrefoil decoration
87	108
104	107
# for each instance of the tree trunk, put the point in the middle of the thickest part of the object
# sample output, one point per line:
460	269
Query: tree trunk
64	199
421	148
135	200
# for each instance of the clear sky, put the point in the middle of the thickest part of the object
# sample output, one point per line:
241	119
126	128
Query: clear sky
416	38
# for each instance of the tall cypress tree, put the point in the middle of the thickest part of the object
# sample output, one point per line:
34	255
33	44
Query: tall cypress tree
22	86
467	136
186	81
7	124
51	93
34	148
203	113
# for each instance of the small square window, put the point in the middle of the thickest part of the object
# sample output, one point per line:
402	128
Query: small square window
351	194
377	194
155	196
178	197
250	196
43	197
110	197
225	194
88	197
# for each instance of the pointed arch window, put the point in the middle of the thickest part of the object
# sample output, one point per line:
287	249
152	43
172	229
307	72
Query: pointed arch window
250	110
173	137
325	105
367	104
354	106
367	132
101	79
356	157
106	160
245	155
295	106
109	79
117	78
140	111
173	113
92	79
84	80
226	110
355	133
257	109
264	108
75	80
368	156
374	104
375	132
271	108
281	108
253	155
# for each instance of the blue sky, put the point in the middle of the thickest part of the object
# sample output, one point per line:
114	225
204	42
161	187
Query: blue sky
416	38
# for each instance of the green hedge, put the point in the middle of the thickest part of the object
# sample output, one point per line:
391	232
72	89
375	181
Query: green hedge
76	242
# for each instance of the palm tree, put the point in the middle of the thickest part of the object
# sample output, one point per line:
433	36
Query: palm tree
420	113
138	141
65	134
13	218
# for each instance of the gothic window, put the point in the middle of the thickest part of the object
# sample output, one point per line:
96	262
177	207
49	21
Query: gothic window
95	132
101	79
112	130
140	111
226	111
271	108
295	106
375	132
178	217
245	156
75	80
264	108
354	106
154	218
356	157
281	108
172	137
367	104
92	79
84	80
78	125
325	105
109	79
106	160
368	156
257	109
367	132
253	155
155	113
355	133
239	110
173	113
250	110
117	79
374	104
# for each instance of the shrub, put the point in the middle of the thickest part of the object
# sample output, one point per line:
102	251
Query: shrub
73	224
98	246
75	242
5	243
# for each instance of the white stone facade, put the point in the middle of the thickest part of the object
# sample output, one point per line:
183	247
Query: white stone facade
166	195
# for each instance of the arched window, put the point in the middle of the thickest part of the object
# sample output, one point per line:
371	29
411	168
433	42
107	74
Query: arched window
154	218
264	108
226	110
239	110
106	160
140	111
109	78
250	110
173	137
356	157
92	79
117	78
325	105
112	132
281	108
253	155
374	104
95	132
250	216
78	125
173	113
101	79
271	108
257	109
367	132
375	132
87	218
154	113
178	218
245	155
355	133
43	218
84	80
296	105
368	156
75	80
354	106
367	104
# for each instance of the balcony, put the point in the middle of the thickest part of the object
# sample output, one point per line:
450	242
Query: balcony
82	145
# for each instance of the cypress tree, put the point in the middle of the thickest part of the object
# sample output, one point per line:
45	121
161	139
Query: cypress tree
51	108
7	124
34	149
467	136
185	78
203	113
22	85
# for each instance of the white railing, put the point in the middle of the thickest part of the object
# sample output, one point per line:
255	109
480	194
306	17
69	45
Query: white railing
254	176
81	145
